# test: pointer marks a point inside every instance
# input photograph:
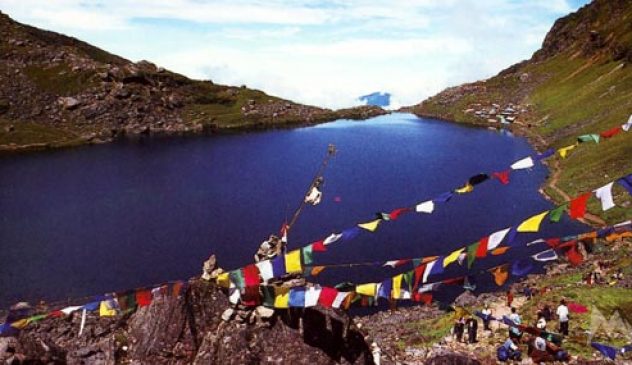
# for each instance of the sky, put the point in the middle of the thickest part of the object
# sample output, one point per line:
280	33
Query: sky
320	52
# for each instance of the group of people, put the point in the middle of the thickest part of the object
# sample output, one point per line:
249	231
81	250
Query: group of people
466	323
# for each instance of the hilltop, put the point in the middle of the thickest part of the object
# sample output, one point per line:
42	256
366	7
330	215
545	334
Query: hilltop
56	91
579	81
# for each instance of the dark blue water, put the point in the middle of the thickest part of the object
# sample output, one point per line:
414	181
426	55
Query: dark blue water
104	218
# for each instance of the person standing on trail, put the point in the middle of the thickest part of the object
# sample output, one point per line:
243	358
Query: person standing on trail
509	298
514	332
562	315
487	319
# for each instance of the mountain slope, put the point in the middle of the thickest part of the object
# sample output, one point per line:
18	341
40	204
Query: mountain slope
579	82
56	90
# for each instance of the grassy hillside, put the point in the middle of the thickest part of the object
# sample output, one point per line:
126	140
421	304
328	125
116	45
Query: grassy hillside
579	82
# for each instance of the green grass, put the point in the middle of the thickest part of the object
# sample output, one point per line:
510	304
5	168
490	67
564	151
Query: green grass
26	133
61	80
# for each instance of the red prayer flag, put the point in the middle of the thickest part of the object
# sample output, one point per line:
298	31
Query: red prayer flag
577	208
611	132
177	286
251	296
419	272
567	244
143	297
553	242
502	176
327	296
425	298
574	257
319	246
251	275
577	308
397	212
482	248
55	314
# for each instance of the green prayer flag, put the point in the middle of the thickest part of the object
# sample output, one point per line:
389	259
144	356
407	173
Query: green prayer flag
37	317
556	214
408	276
237	278
471	253
307	255
417	262
384	216
588	138
268	295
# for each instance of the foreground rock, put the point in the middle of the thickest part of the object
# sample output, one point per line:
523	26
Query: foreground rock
189	329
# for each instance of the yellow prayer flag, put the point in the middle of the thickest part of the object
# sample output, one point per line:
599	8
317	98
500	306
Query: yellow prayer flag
370	226
281	297
367	289
564	150
617	236
452	257
223	280
532	224
397	286
20	324
468	188
105	310
293	262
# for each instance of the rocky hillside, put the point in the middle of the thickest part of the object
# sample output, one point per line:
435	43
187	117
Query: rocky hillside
580	81
56	90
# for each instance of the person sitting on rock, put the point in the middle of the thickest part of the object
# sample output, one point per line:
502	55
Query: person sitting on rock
508	351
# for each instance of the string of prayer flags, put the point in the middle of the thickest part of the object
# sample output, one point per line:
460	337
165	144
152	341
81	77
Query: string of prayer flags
532	224
501	274
565	150
293	262
577	207
502	176
525	163
604	194
589	138
370	226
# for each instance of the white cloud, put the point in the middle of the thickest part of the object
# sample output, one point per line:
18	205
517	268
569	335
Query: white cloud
325	53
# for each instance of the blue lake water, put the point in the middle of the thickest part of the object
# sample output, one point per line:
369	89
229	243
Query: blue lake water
104	218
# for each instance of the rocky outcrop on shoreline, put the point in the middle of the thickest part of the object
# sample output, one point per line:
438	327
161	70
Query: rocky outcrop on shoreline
190	329
56	90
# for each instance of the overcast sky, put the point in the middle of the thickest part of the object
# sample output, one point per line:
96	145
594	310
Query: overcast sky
323	52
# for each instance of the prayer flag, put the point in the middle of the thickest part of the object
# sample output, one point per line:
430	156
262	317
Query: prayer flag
500	274
436	269
452	257
611	132
70	309
626	182
317	270
265	270
421	273
396	263
607	351
398	212
250	296
281	297
143	297
369	289
350	233
370	226
577	308
532	224
467	188
234	294
293	262
107	308
297	297
408	278
223	280
425	207
496	238
443	198
604	194
481	250
574	257
397	286
577	208
471	253
548	255
278	266
502	176
425	298
477	179
332	238
251	275
588	138
339	299
307	255
564	150
521	267
237	278
556	214
268	295
525	163
386	287
500	251
311	296
20	324
546	154
319	246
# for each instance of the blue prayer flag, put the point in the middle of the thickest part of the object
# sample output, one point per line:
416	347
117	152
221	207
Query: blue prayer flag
297	297
626	182
350	233
385	289
278	266
548	153
443	198
607	351
521	267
